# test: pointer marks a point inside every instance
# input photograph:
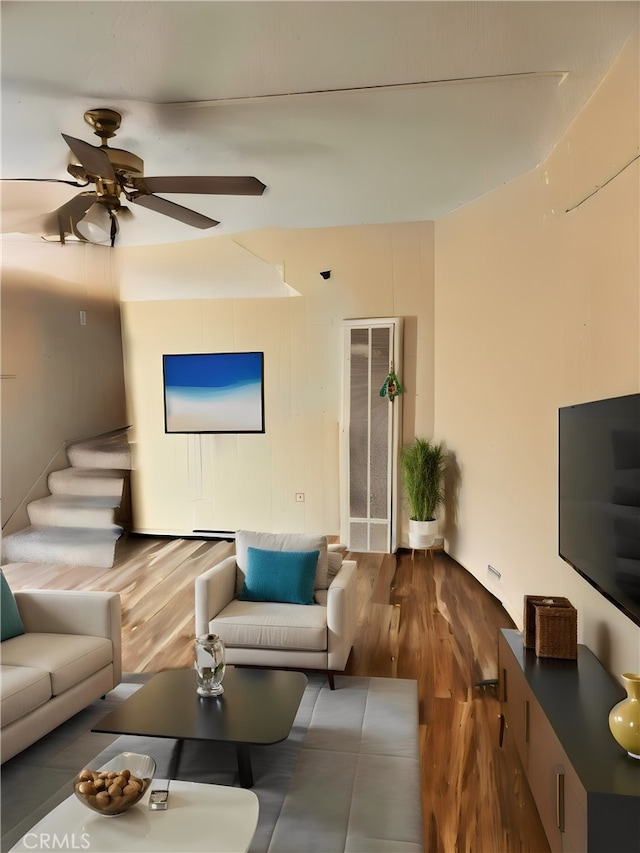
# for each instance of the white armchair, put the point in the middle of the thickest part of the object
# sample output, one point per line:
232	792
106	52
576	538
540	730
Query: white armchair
316	636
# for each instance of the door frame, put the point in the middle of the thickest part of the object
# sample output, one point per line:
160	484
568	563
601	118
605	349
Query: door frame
396	324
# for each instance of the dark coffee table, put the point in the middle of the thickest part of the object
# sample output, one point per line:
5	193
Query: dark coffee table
258	706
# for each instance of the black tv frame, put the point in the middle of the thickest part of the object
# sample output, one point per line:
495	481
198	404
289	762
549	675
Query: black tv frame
218	376
599	497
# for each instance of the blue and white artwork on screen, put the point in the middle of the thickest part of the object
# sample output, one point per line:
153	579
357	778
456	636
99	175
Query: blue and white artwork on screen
214	392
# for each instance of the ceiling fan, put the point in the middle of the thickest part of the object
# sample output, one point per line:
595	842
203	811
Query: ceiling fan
92	215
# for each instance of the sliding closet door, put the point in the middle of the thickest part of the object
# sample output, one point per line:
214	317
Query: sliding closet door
370	435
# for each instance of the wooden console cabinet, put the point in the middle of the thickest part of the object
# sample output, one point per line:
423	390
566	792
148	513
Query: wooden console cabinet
586	788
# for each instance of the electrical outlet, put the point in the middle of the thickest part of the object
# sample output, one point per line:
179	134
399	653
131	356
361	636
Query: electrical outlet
300	497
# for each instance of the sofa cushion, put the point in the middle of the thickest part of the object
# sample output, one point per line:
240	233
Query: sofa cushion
23	690
285	576
272	625
69	658
10	621
282	542
334	560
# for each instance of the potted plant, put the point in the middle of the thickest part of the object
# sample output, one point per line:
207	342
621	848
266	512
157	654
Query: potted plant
423	465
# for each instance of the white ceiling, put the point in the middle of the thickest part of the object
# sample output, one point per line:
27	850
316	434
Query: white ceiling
211	88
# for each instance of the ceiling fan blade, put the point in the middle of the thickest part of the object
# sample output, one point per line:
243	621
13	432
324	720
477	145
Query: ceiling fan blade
64	218
94	159
222	185
175	211
78	205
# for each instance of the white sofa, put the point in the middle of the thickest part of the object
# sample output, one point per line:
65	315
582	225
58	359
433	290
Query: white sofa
317	636
69	655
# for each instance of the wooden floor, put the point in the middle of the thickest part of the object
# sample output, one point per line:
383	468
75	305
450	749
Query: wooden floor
424	618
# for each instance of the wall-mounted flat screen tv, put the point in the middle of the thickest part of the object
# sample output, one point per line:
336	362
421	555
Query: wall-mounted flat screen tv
214	392
599	497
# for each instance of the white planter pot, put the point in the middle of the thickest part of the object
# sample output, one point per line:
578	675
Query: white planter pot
422	534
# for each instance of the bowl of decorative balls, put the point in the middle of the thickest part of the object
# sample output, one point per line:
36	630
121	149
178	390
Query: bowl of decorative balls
117	786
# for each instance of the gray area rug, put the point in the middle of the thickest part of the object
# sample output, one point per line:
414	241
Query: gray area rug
38	779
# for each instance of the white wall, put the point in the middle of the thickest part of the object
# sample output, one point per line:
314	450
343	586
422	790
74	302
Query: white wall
61	381
225	482
537	308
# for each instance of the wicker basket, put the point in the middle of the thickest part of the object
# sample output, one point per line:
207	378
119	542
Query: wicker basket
551	627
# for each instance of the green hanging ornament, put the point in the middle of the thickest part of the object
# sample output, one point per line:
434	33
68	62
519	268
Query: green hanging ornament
391	387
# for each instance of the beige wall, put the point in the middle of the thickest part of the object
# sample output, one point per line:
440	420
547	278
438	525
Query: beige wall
61	381
224	482
537	308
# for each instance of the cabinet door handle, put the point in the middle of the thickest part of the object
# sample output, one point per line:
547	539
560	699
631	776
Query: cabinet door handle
503	724
526	721
560	800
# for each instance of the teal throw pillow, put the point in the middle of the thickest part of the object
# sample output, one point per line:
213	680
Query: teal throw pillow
285	576
10	621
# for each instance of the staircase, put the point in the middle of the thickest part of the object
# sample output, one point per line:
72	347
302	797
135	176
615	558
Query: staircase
79	523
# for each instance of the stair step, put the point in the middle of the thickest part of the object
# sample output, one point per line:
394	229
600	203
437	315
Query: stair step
82	546
77	511
87	481
102	452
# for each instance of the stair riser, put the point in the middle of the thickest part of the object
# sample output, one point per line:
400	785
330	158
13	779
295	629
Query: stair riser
65	483
56	516
24	552
81	458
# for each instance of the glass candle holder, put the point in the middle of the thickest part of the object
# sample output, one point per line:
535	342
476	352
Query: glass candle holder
209	664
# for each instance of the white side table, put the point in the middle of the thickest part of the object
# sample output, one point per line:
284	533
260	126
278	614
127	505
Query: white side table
211	818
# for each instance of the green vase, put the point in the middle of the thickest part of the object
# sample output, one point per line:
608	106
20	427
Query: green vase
624	718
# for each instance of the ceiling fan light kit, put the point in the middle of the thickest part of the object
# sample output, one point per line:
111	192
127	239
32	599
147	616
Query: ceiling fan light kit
95	225
92	215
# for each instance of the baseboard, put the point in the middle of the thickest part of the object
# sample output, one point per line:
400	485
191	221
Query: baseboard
216	534
186	534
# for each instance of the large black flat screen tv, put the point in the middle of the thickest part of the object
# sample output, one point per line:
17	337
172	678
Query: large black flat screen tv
599	497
